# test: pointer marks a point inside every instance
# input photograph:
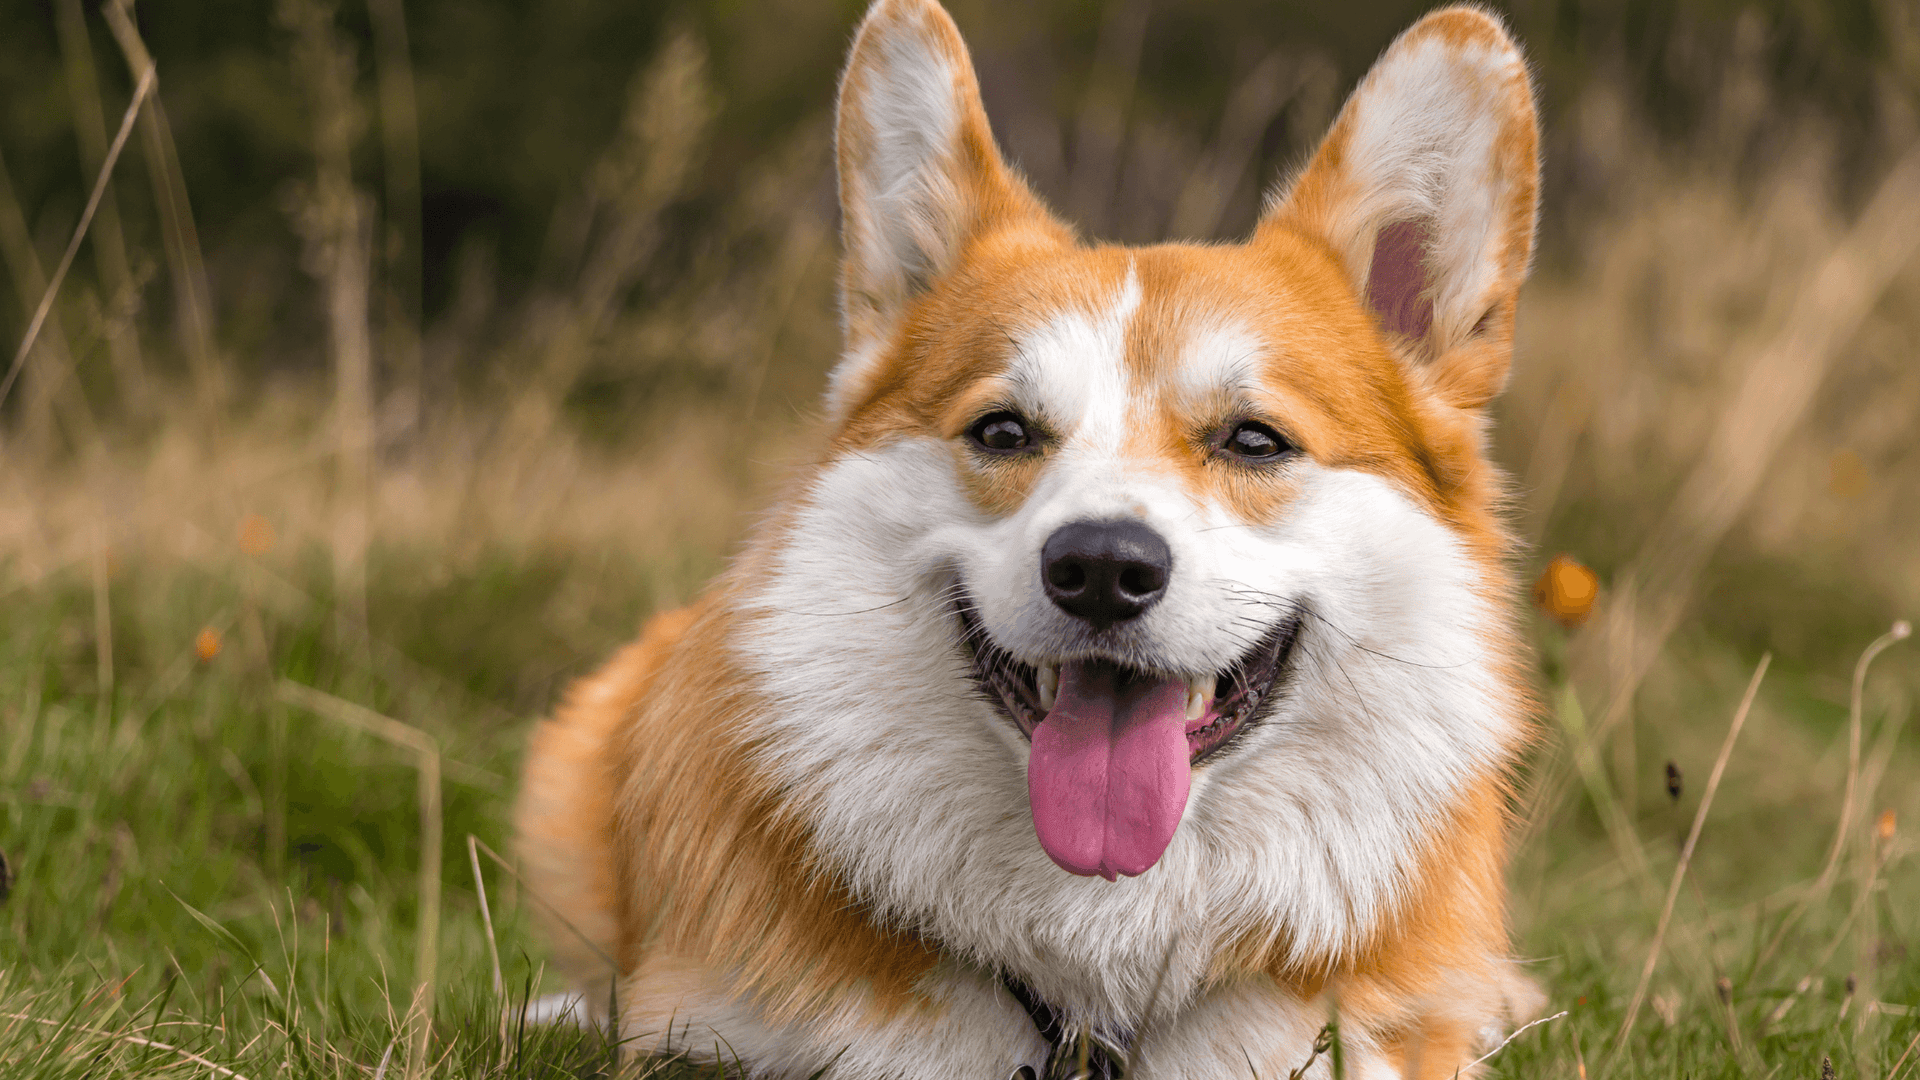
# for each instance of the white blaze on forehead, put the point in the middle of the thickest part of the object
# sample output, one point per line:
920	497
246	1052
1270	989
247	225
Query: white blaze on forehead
1073	369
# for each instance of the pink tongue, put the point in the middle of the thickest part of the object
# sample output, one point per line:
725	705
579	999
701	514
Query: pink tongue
1109	770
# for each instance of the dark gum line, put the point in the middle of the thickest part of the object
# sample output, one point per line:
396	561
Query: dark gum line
998	667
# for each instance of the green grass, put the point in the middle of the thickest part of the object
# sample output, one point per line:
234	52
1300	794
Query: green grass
201	864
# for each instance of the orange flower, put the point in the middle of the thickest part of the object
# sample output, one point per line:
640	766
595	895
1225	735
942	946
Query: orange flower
1885	827
1846	474
1566	591
206	644
256	535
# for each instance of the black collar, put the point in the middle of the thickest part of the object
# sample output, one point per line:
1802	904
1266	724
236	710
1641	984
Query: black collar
1070	1056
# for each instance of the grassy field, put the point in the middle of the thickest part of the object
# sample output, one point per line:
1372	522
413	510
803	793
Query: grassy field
274	547
212	849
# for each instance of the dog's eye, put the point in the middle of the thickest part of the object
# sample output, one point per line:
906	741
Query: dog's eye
1254	441
1001	432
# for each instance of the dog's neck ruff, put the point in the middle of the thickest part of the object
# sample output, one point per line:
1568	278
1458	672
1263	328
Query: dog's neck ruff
916	790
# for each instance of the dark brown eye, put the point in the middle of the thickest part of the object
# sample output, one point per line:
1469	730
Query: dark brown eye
1255	441
1001	433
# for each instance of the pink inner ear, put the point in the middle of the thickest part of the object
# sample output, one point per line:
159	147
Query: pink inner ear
1397	284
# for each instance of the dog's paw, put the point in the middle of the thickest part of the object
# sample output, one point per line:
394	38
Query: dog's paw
1524	998
1521	1002
572	1009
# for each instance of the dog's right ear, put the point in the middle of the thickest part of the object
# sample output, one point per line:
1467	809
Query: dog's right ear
920	178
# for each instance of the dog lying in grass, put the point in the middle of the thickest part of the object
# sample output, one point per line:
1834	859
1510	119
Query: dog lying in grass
1133	685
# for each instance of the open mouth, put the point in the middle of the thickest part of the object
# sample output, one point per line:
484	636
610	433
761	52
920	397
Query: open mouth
1114	746
1219	706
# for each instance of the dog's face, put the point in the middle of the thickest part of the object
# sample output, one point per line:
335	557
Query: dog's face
1185	540
1170	460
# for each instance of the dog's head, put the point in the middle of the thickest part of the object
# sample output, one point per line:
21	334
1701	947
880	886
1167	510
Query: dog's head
1152	514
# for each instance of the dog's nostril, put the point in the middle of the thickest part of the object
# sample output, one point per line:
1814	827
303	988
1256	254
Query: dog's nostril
1105	572
1067	576
1141	581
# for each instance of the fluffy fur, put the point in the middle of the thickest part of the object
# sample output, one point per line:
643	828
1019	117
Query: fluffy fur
798	826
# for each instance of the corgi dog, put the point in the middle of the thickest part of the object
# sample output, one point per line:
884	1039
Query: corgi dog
1133	686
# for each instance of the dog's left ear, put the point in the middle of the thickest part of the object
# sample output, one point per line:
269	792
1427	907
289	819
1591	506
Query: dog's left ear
920	177
1426	189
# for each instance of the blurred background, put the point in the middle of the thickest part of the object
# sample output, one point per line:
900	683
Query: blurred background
417	351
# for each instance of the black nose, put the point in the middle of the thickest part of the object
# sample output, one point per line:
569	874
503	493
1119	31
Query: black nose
1105	571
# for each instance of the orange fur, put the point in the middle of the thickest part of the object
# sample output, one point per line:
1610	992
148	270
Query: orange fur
688	855
564	818
713	867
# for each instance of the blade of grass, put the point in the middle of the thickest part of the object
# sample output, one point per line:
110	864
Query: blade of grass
1322	1043
427	751
551	908
109	238
1586	760
185	261
135	1040
1829	870
1861	905
54	387
1894	1073
1686	853
486	915
218	930
1522	1030
486	919
140	91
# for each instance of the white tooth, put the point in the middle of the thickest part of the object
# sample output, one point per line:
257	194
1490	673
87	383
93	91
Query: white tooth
1047	680
1199	697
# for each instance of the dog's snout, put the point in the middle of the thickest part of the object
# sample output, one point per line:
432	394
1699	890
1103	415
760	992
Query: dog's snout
1105	572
